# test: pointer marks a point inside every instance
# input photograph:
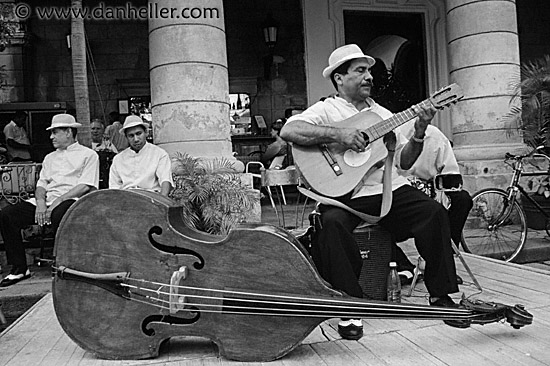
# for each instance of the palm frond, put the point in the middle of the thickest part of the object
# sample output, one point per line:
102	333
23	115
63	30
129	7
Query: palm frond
212	195
530	102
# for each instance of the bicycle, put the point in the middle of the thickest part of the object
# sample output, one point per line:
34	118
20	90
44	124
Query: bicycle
496	226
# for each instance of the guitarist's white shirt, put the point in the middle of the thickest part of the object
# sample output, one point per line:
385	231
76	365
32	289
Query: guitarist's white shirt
437	156
335	109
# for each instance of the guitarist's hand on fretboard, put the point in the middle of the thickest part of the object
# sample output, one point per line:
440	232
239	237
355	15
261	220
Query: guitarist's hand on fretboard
426	113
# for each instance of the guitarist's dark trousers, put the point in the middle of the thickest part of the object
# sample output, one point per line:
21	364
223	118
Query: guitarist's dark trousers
412	215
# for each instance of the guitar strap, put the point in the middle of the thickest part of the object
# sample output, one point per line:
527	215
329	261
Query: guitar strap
386	195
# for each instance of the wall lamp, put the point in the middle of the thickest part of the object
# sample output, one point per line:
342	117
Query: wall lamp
270	27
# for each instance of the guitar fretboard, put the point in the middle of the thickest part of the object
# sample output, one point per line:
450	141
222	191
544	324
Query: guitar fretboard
382	128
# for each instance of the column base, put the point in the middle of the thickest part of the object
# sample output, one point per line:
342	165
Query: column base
484	166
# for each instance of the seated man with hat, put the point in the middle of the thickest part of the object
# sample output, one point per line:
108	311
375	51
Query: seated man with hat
412	214
68	173
143	165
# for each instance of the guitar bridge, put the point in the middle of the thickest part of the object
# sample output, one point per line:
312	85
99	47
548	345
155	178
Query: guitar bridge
330	160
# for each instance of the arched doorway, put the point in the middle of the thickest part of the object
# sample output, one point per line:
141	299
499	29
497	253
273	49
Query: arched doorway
396	40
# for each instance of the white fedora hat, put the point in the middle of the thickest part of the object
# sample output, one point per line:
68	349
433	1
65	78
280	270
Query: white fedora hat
63	121
133	121
343	54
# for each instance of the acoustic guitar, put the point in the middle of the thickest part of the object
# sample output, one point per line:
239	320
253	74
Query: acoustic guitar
129	275
332	170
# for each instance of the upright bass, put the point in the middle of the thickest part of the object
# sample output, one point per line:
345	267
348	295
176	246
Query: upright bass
129	275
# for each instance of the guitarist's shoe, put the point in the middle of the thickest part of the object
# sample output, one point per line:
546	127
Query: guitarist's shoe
351	329
447	302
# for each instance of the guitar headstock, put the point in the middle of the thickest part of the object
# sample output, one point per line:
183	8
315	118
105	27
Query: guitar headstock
446	96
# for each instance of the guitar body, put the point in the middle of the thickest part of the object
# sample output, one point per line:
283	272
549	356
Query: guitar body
334	171
318	172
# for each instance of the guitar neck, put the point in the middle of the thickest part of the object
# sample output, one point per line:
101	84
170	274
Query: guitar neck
383	127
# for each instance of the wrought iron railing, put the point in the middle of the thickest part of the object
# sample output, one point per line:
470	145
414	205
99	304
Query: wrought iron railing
18	181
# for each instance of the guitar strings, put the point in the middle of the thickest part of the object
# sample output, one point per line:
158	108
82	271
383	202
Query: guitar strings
381	128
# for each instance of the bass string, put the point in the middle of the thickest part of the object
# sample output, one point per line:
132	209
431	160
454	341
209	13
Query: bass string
384	306
283	312
293	298
285	301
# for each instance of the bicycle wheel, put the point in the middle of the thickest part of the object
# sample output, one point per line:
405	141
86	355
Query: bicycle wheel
495	228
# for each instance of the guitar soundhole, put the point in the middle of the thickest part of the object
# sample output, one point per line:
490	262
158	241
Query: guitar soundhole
355	159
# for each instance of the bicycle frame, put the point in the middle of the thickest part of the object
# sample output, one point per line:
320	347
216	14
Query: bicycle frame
515	187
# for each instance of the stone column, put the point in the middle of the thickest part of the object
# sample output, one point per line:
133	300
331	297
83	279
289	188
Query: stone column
483	53
13	56
189	78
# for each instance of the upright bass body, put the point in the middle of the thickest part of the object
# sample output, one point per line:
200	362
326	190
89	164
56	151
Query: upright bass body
129	275
140	234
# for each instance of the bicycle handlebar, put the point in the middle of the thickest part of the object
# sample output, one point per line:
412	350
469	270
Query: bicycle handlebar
508	155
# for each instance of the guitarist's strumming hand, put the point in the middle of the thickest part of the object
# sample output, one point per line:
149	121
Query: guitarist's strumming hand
413	148
352	138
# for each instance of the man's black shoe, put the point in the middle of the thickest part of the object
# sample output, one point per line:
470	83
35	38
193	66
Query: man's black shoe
14	277
351	331
447	302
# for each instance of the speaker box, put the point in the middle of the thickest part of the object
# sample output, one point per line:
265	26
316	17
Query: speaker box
375	245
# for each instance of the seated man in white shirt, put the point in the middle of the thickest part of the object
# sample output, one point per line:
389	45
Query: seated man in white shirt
17	140
67	174
437	157
143	165
100	141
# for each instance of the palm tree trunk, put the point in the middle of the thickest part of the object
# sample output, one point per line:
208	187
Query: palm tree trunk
80	76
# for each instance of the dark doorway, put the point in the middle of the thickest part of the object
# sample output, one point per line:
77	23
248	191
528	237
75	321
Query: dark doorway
396	40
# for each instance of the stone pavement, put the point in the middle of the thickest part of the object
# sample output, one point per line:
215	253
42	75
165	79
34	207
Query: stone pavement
536	248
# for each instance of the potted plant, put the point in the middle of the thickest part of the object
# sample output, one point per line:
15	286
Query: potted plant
213	197
530	114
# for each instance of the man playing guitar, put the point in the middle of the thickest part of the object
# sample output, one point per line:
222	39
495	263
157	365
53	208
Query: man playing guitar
412	213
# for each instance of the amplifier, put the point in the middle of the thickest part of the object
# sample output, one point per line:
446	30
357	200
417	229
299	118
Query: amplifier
375	244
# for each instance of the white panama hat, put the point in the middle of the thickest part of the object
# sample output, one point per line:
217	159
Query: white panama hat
63	121
343	54
133	121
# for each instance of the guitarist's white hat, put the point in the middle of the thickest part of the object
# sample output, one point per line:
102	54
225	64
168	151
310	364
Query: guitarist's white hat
343	54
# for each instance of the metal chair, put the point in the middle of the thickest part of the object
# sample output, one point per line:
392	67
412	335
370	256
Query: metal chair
431	190
283	177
